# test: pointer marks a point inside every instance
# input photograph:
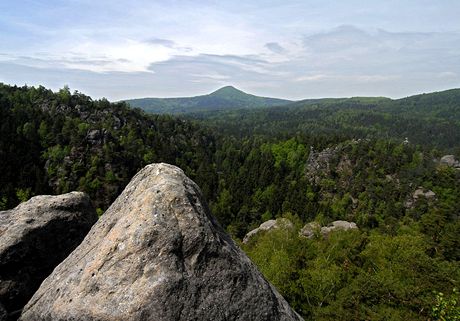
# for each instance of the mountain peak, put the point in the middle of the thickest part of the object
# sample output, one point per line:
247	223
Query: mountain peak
227	90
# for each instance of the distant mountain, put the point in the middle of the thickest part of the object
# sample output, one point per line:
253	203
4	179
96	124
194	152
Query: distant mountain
222	99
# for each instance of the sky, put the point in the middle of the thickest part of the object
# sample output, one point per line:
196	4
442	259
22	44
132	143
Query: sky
288	49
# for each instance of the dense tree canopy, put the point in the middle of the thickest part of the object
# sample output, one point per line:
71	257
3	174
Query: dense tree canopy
58	142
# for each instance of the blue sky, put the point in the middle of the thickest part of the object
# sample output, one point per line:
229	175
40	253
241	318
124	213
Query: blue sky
291	49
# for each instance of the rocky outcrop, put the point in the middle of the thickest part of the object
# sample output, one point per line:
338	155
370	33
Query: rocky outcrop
267	226
338	226
319	163
98	137
330	161
34	238
429	194
157	254
310	230
449	160
418	194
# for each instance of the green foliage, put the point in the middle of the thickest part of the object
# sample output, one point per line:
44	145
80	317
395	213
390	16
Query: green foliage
288	153
3	203
99	211
23	194
447	308
353	275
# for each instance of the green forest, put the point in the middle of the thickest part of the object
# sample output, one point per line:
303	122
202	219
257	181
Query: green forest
373	161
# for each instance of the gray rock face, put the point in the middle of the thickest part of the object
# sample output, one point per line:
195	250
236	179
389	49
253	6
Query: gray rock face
450	160
428	194
310	230
97	136
333	159
338	226
157	254
313	228
318	163
267	226
341	225
34	238
419	193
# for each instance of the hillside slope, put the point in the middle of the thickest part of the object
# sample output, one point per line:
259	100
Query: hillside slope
59	142
430	119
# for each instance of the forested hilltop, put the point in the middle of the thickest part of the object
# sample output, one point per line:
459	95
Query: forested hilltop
312	162
59	142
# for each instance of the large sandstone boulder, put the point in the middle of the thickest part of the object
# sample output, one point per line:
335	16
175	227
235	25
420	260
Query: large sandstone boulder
267	226
338	226
450	160
34	238
157	254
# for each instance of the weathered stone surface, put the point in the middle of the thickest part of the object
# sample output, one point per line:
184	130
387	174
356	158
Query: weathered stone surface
450	160
313	228
310	230
430	194
97	136
267	226
94	136
157	254
331	160
338	226
34	238
419	193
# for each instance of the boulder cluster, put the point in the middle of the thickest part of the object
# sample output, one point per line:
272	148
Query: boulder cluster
310	230
156	254
419	194
313	228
